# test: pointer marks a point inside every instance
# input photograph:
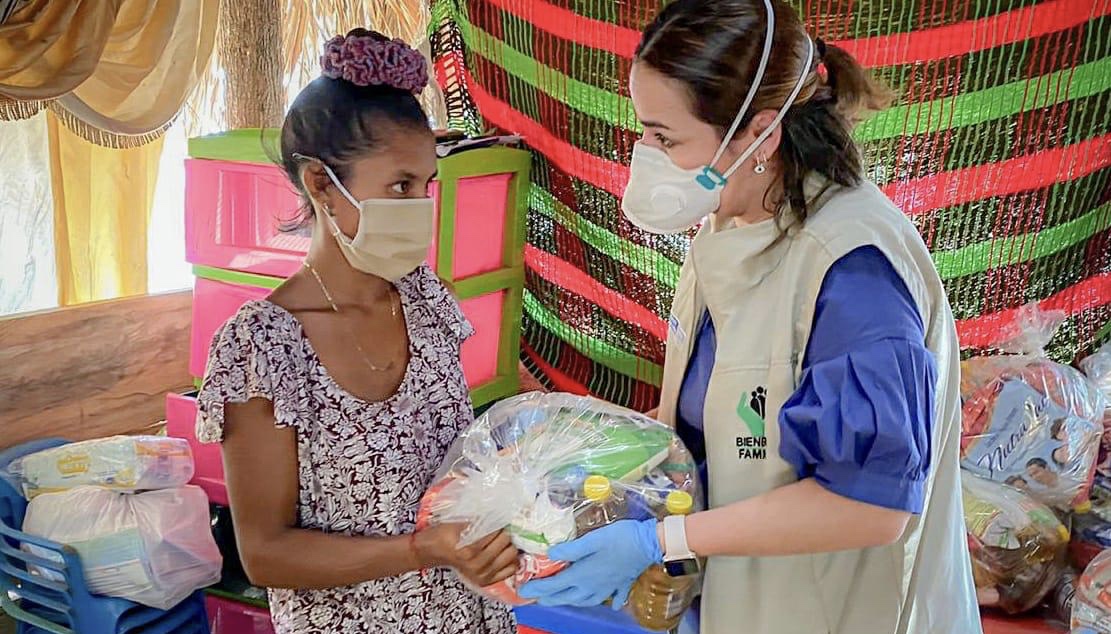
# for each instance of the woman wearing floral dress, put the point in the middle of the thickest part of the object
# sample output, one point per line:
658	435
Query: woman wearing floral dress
337	397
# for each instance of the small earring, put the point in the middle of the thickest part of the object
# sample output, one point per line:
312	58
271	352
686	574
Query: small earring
760	168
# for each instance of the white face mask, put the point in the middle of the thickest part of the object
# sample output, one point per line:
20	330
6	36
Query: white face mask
393	237
663	198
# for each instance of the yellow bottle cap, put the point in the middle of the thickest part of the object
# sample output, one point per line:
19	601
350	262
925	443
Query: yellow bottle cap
1084	507
597	488
679	503
1064	532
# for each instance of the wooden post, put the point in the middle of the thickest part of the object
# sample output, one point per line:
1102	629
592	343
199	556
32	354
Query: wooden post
250	49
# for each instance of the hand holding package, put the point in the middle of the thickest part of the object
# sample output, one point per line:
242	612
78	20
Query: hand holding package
552	467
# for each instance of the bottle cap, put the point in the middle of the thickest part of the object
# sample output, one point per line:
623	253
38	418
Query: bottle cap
1063	532
679	503
597	488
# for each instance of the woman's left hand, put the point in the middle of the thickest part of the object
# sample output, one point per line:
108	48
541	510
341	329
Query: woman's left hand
604	565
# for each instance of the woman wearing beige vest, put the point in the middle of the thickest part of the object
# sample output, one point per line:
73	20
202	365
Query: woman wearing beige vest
812	360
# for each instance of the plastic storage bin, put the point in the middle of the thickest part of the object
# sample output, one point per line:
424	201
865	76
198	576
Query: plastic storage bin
236	200
232	617
208	473
217	296
534	619
235	212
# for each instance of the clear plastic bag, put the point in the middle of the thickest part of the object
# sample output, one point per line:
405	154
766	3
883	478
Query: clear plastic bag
1031	423
154	548
550	467
1091	609
1097	368
1018	545
121	463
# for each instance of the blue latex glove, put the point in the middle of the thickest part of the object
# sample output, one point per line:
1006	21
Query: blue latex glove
604	565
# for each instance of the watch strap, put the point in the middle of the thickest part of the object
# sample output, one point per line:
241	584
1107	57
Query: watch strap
675	539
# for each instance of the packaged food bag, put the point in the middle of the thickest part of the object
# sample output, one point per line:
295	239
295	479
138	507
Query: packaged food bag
1031	423
1091	608
550	467
1097	368
154	548
1018	545
122	463
1091	534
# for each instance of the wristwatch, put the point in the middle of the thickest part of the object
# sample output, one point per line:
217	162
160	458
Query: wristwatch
679	561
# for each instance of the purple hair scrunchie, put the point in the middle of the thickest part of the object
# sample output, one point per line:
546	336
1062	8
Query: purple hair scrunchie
367	61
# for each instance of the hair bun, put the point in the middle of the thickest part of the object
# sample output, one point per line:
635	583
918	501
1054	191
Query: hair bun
374	60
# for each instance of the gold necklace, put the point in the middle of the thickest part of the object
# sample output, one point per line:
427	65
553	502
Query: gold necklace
350	332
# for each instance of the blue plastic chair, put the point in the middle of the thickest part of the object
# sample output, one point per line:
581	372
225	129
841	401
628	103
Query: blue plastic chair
41	605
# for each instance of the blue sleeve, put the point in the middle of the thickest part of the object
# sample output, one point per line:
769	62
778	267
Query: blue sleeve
860	421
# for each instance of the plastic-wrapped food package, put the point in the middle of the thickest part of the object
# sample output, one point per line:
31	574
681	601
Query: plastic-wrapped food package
122	463
1091	609
154	548
1091	534
1098	370
551	467
1031	423
1018	545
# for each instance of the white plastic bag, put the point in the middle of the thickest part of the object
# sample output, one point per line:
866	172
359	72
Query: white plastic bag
1098	370
122	463
154	548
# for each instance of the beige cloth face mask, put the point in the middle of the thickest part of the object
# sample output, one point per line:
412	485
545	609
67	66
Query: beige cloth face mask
393	236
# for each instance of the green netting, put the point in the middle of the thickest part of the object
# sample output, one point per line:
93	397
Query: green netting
1000	150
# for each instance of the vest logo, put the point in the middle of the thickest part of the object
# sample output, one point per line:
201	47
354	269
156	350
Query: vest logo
752	408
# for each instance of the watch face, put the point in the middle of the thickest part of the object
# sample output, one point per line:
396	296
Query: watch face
682	567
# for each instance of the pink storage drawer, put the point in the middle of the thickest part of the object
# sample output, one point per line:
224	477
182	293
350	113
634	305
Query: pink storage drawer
233	212
230	617
214	303
479	224
181	419
480	353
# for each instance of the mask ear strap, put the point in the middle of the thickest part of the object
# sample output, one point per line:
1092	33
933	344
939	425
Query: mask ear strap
331	175
756	79
779	115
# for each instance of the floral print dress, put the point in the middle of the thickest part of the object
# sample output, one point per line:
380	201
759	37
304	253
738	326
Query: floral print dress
363	466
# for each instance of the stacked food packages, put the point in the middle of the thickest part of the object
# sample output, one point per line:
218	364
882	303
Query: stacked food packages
123	505
549	468
1032	431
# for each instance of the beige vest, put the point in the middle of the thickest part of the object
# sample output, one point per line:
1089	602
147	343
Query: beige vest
761	293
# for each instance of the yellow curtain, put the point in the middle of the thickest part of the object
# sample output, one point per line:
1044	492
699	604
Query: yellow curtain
114	74
47	48
117	72
155	55
102	202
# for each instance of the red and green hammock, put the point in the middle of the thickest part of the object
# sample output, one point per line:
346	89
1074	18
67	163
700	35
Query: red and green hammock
1000	151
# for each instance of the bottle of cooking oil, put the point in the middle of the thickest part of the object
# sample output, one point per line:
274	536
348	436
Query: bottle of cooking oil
603	506
657	599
